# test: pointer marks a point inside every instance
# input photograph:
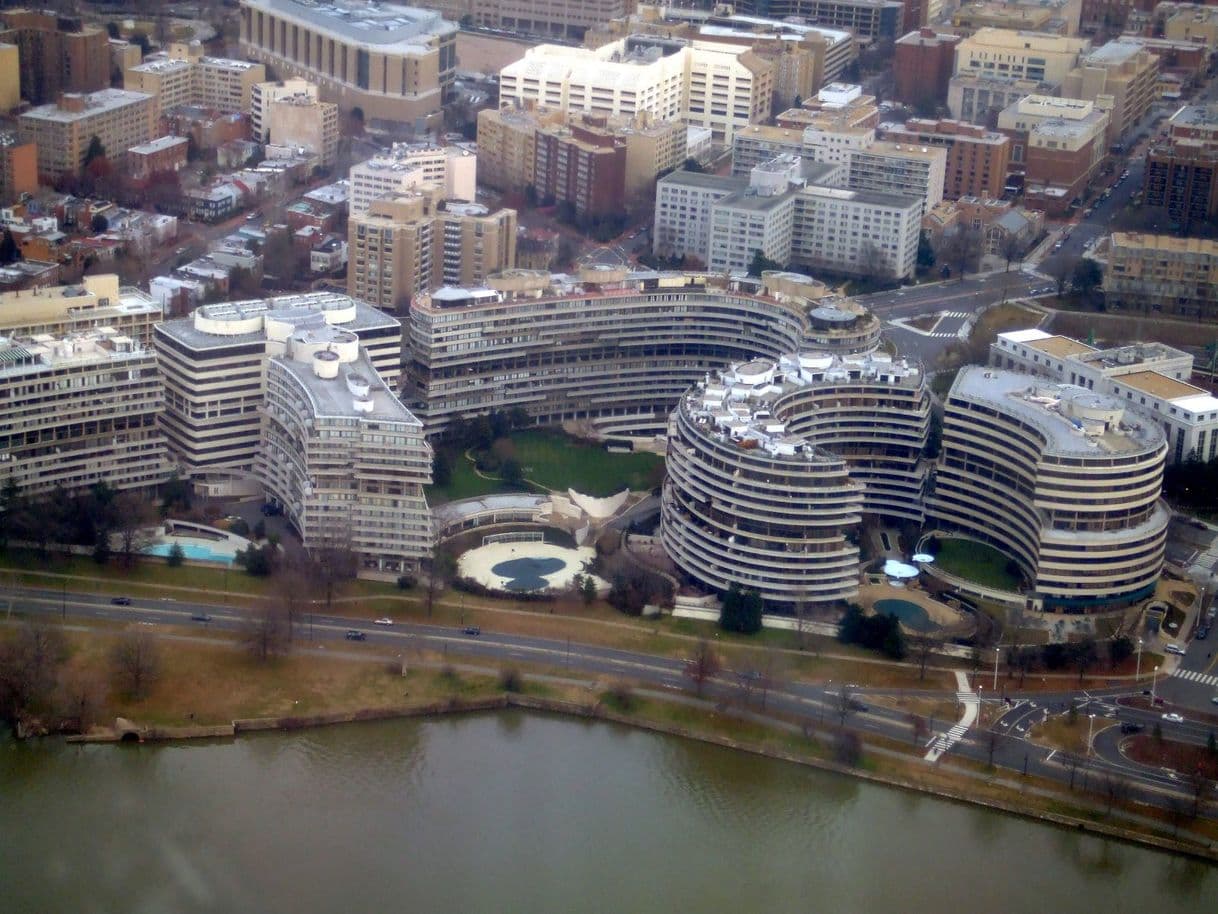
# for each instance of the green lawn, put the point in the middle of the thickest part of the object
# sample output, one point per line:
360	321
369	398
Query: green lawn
976	562
557	462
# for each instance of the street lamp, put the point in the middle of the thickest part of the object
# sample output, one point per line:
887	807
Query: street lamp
1153	681
1138	674
1090	731
997	654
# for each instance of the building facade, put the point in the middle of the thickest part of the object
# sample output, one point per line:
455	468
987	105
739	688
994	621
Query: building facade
64	131
408	166
1059	144
922	64
1122	77
395	63
56	54
303	122
1064	480
977	159
1162	274
341	455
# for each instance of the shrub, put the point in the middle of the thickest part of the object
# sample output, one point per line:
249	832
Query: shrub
510	680
176	556
239	527
406	582
620	697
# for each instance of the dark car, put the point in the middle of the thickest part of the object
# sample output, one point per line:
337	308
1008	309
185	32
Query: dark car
200	617
1131	727
472	630
355	635
121	601
1203	632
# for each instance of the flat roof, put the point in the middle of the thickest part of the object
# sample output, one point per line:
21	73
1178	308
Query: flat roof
724	183
1061	347
871	197
160	143
95	103
333	396
1158	385
1165	243
385	26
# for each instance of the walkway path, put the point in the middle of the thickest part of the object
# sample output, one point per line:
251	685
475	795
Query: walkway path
972	710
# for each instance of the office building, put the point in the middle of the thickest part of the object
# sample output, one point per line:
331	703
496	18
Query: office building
341	455
18	168
408	166
1192	22
1063	479
871	19
416	242
10	78
262	94
64	131
1162	275
1151	377
722	87
1009	54
56	54
612	348
1121	77
79	410
1059	143
395	63
301	122
214	368
566	19
922	64
901	169
980	99
1053	17
977	159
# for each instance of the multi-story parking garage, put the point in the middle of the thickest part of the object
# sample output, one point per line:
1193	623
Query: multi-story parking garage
613	347
1064	480
772	464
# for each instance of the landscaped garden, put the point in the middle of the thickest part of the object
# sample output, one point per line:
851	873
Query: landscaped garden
979	563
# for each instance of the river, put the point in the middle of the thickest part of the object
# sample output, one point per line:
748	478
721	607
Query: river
515	812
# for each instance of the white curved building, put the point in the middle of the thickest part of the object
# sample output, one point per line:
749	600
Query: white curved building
1064	480
614	347
341	455
772	464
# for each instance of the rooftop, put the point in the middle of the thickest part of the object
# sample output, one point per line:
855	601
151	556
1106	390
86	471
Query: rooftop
1074	421
94	103
1115	52
354	391
1168	243
23	354
1197	116
1060	347
1160	385
872	198
707	181
157	145
385	26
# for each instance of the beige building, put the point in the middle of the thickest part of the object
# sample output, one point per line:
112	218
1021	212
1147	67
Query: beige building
1162	274
906	169
303	121
395	63
839	119
408	166
507	144
560	19
10	78
183	76
95	302
1122	78
416	243
63	131
261	96
1009	54
1055	17
124	54
1190	22
170	82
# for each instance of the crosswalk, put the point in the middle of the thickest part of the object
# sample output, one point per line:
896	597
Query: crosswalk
949	739
1194	676
948	334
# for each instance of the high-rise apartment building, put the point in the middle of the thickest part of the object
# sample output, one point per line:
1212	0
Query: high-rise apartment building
214	369
95	303
56	54
1059	144
922	64
78	410
1122	77
903	169
408	166
416	242
1181	172
303	121
10	77
395	63
341	455
261	96
184	76
977	158
63	132
1162	274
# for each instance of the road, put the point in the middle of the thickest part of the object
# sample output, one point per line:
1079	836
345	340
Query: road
819	703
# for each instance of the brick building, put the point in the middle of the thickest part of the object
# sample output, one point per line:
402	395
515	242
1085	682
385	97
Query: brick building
18	169
584	168
922	64
57	54
977	159
167	153
1059	144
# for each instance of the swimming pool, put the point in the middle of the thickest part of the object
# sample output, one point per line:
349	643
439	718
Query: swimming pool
911	615
193	551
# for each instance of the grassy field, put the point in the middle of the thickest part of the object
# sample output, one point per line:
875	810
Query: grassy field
976	562
466	483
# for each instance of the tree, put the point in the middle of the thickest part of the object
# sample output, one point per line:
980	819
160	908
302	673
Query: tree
176	556
1120	650
29	668
99	224
962	249
136	660
587	589
926	252
441	467
692	164
1086	277
9	252
511	472
132	516
923	646
702	666
94	151
265	632
440	567
760	264
1084	656
874	268
1011	248
741	610
1059	270
1072	763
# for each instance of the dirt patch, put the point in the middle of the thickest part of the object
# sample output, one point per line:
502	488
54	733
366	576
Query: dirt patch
926	322
1165	753
485	54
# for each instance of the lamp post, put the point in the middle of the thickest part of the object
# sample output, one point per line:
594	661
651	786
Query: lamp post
1138	674
997	654
1090	731
980	689
1153	682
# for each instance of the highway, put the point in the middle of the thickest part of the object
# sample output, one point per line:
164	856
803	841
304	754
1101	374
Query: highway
816	703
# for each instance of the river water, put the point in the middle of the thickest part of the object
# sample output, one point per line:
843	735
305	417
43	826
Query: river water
514	812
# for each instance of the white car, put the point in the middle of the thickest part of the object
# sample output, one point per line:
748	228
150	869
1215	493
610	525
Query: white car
1173	717
384	620
1174	649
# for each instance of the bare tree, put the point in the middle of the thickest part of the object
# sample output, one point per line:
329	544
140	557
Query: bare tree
845	703
1200	787
702	666
80	701
918	728
1073	763
136	659
962	250
848	748
923	646
133	516
1116	789
334	560
29	669
265	632
295	581
993	739
1059	270
1012	249
802	608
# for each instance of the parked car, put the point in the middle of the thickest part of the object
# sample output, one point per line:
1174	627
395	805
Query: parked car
1173	717
200	617
1203	632
1174	649
472	630
1130	727
356	635
121	601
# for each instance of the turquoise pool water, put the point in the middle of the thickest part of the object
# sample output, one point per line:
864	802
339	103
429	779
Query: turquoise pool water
192	551
911	615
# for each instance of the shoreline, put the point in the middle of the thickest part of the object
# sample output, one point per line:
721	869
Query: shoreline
597	711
